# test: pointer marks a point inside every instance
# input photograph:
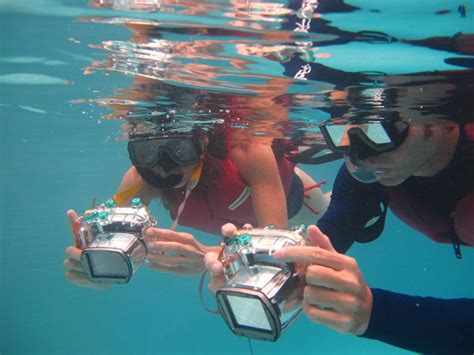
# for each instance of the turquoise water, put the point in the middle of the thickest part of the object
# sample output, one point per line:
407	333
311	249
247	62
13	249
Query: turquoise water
57	153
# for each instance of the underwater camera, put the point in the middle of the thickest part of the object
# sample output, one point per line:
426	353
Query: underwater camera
256	300
111	241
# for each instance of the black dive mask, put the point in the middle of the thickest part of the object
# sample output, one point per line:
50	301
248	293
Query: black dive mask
359	139
165	150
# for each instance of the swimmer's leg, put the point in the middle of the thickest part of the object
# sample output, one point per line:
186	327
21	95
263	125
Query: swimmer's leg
315	202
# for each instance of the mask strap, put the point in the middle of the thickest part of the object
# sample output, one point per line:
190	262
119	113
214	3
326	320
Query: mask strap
192	183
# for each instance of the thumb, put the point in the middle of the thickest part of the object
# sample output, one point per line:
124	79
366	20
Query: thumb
211	260
216	271
318	238
228	230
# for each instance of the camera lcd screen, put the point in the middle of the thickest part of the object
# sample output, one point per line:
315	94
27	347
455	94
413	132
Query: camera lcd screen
107	264
249	312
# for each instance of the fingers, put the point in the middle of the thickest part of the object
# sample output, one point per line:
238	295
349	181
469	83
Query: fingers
186	259
229	230
177	269
175	260
312	255
79	279
71	264
338	321
338	299
326	298
322	253
339	280
318	238
174	248
216	271
153	234
74	253
74	271
72	216
211	260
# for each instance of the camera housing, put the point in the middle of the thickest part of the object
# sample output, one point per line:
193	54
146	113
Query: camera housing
111	241
257	298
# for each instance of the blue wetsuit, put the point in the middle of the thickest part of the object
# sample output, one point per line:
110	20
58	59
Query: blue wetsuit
422	324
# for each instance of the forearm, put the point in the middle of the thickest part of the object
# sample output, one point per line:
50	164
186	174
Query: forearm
132	185
422	324
257	165
270	208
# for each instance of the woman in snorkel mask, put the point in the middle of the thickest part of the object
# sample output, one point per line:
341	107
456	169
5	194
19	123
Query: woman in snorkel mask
249	184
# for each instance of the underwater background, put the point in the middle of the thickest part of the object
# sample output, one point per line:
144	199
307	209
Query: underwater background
61	65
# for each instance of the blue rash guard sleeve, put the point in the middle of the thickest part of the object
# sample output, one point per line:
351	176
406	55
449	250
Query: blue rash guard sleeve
355	213
422	324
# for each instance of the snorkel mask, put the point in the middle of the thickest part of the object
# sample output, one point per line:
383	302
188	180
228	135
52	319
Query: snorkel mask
168	151
256	302
358	139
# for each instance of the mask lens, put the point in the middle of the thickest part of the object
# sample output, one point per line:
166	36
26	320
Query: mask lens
165	161
143	153
338	135
182	151
376	133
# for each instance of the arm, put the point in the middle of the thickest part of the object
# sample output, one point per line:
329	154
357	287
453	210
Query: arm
353	204
422	324
257	165
337	296
133	182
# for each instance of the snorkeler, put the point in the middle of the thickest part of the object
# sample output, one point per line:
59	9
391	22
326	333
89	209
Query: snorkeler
423	171
204	189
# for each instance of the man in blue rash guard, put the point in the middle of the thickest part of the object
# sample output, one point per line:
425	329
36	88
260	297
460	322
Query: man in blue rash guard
425	173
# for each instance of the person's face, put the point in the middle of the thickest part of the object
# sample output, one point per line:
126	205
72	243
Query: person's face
412	158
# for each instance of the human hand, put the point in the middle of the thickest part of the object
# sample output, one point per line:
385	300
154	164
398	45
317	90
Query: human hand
175	252
335	294
72	263
211	259
212	263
